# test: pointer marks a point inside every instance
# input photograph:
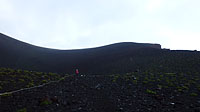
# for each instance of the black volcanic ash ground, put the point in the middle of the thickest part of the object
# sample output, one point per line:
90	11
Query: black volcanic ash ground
112	93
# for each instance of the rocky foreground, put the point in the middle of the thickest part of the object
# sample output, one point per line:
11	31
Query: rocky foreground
99	94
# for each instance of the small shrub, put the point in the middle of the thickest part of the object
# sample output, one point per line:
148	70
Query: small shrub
52	74
44	81
160	86
187	84
38	73
22	110
21	80
150	91
26	71
115	78
193	94
62	78
158	80
171	84
192	82
145	82
45	102
198	87
185	87
31	84
45	76
135	81
19	71
180	90
170	74
13	76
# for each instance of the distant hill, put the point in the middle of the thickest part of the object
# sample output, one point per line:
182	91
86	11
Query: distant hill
114	58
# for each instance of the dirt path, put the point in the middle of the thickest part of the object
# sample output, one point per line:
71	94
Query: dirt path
30	88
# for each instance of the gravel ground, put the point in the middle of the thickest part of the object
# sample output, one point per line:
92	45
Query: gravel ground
96	94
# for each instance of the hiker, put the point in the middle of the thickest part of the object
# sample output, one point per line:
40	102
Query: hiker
77	72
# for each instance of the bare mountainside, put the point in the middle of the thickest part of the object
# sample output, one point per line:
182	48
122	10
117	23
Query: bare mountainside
115	58
19	55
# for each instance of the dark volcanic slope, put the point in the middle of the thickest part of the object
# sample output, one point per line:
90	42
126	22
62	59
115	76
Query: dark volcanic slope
20	55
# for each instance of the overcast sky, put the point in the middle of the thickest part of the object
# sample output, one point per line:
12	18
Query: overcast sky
75	24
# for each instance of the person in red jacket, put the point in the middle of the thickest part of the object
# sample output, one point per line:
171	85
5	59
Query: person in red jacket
77	72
